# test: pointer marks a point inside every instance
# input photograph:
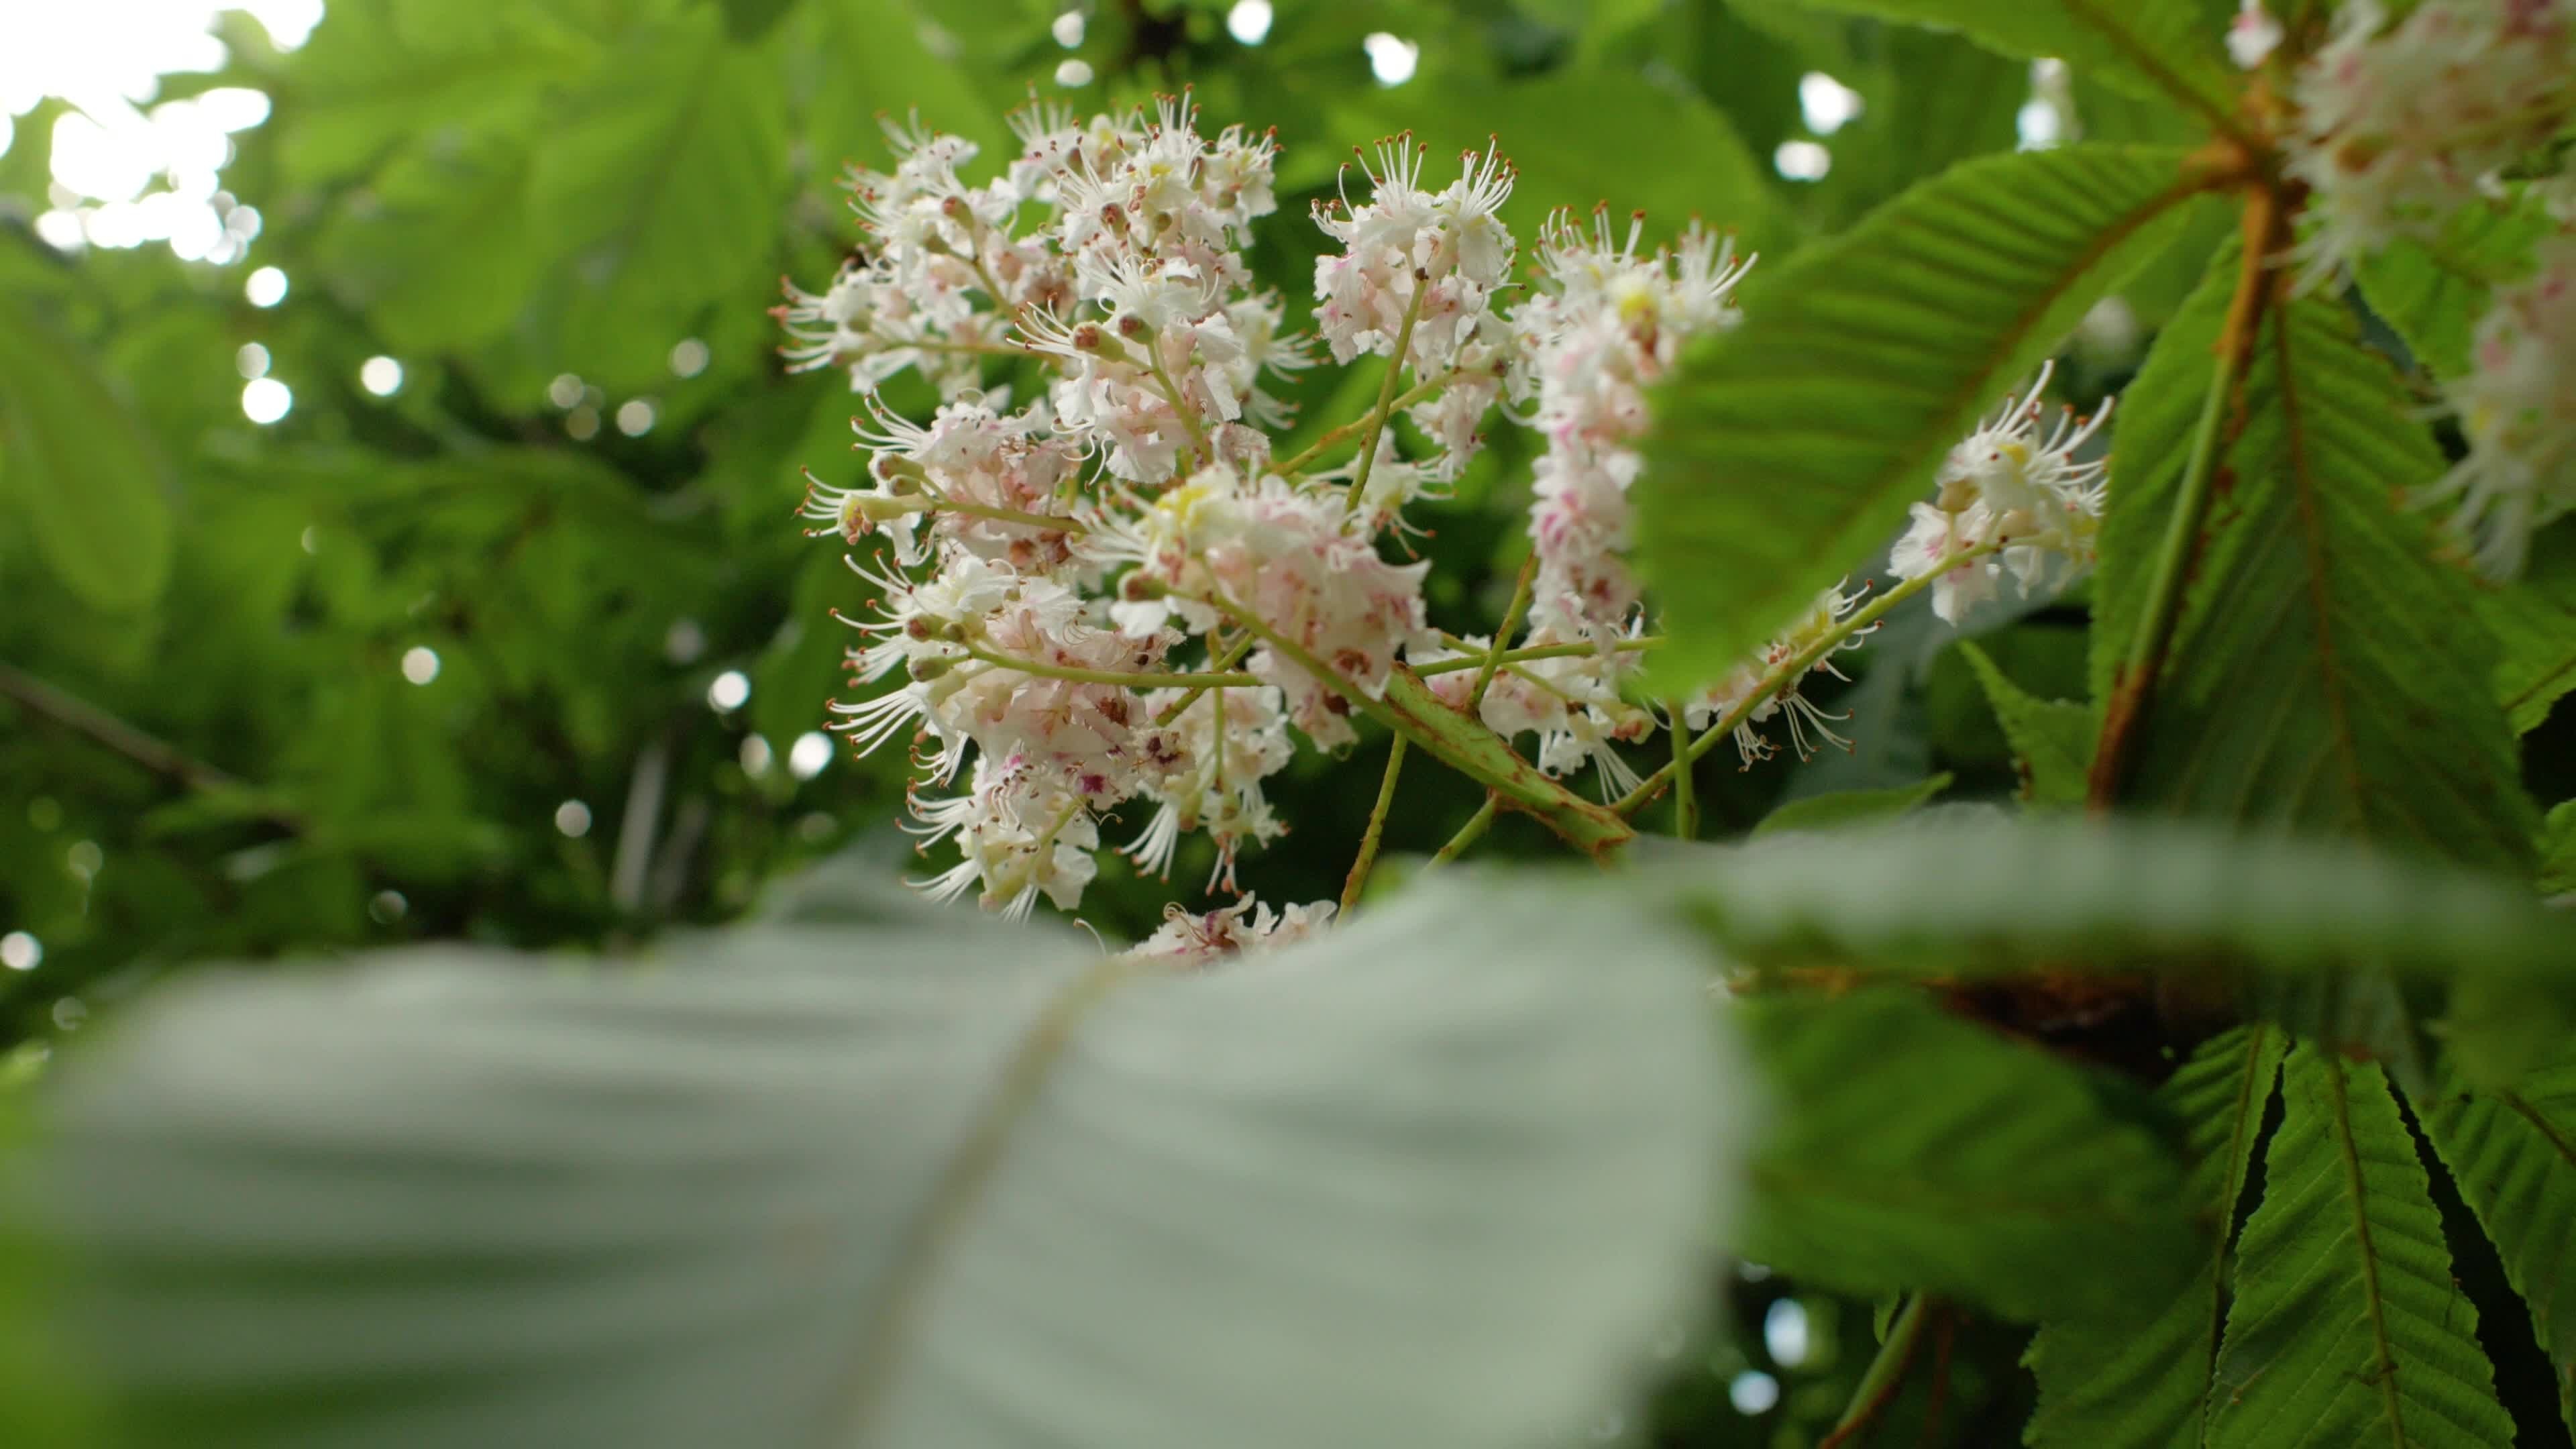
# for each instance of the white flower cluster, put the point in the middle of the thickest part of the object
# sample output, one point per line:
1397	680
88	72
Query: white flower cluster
2012	496
1114	599
2400	123
2517	407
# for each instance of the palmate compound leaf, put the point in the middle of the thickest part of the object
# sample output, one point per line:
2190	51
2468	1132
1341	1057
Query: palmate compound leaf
1424	1182
2136	1376
2348	1328
2512	1151
1790	447
2326	673
1912	1150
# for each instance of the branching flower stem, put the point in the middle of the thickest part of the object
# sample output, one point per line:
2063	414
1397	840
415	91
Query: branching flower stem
1118	677
1460	741
1503	632
1530	652
1790	672
1468	834
1296	463
1386	389
1369	838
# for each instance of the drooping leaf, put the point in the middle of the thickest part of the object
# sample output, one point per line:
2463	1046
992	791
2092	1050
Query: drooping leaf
1914	1150
2433	291
1997	895
78	465
1845	808
2318	678
1793	444
2148	48
1427	1181
2052	739
2348	1327
2136	1375
2512	1150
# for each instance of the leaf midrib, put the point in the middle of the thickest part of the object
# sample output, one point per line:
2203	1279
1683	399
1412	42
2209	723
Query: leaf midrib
2385	1367
926	1241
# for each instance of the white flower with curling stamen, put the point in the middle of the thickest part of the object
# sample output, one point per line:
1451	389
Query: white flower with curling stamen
2400	123
2517	407
2012	483
1246	926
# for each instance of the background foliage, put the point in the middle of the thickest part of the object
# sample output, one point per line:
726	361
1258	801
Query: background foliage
528	653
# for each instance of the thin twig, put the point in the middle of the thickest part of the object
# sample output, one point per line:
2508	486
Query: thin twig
1468	834
1503	632
1886	1374
1358	879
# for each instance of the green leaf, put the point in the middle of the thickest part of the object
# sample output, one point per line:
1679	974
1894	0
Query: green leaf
1791	446
1850	807
2146	47
2433	292
1954	896
2534	623
2513	1153
2319	678
2136	1376
82	469
1434	1179
1915	1150
361	88
668	179
2558	850
447	253
870	60
2052	739
2347	1327
1939	100
1565	166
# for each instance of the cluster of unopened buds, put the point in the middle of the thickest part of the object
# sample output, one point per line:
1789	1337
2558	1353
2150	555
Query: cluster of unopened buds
1114	600
2405	116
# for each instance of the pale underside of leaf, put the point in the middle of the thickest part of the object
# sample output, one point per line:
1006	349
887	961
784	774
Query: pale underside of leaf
1432	1180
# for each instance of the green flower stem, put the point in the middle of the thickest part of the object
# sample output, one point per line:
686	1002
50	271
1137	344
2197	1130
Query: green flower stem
1386	388
1120	677
1533	651
1503	631
1358	879
1053	523
1297	462
1468	834
1886	1374
1227	659
1180	406
1456	739
1685	796
1788	673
